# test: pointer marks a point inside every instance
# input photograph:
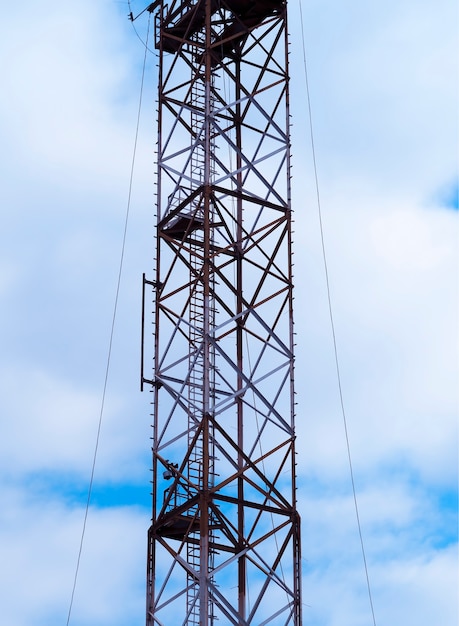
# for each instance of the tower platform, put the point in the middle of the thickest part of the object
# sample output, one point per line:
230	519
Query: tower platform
181	25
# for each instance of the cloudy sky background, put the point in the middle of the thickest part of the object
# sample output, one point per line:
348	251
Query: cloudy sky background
384	99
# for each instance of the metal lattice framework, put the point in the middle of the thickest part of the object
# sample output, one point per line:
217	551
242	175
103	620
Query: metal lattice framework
224	545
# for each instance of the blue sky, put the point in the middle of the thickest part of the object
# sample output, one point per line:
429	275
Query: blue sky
384	98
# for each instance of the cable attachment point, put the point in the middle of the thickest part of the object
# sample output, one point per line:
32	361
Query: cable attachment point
150	8
153	6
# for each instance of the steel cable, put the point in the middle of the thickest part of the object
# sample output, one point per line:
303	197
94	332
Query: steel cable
332	323
110	345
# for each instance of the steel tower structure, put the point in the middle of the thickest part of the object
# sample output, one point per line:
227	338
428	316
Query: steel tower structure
224	544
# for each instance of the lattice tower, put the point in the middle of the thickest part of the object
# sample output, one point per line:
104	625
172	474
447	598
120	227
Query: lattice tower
224	545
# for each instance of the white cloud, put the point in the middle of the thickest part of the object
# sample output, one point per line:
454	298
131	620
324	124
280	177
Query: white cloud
50	426
383	87
406	240
410	578
419	591
384	105
394	300
39	541
49	422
